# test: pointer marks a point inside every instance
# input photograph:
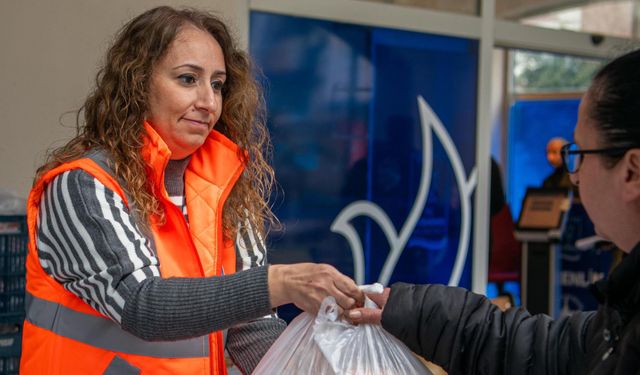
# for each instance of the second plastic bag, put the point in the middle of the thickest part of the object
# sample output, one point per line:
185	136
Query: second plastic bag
327	345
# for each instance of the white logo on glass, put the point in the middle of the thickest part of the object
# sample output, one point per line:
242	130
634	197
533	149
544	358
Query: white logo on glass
397	241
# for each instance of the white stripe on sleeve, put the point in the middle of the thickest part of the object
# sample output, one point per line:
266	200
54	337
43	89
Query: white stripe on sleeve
100	191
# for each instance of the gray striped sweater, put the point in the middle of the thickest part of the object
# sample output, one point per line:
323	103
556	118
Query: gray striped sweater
88	243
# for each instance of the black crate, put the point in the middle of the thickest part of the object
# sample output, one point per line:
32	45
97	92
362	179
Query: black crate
10	348
13	252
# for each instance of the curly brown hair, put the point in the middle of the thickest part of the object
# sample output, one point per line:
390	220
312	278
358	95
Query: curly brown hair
115	111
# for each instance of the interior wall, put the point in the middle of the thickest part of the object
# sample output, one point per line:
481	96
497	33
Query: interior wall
50	55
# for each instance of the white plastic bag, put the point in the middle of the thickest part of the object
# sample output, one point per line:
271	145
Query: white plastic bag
327	345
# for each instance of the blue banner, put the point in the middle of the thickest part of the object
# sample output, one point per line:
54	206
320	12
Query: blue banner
374	147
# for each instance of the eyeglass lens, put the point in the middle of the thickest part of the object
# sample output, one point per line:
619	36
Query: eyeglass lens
572	158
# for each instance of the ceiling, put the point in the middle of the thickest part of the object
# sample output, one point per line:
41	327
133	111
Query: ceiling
505	9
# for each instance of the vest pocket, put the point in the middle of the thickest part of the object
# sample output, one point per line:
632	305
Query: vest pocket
119	366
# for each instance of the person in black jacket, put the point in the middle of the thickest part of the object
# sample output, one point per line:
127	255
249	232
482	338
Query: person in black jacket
465	334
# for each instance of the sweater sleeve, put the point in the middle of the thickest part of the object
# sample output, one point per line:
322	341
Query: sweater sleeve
466	334
248	342
87	242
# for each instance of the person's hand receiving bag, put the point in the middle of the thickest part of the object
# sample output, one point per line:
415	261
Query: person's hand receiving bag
370	315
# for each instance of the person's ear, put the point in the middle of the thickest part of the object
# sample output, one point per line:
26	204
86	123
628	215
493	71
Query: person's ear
631	190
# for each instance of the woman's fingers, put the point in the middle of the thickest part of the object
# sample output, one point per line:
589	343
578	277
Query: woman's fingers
370	315
349	288
365	315
344	301
308	284
380	299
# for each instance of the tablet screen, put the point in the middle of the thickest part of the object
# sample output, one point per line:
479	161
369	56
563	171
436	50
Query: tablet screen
543	209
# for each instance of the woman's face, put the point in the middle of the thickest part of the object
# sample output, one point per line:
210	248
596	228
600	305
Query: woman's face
599	186
185	91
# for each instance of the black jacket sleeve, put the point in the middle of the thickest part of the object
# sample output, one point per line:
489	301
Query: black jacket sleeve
465	333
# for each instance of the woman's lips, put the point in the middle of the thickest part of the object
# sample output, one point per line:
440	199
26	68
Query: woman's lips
197	122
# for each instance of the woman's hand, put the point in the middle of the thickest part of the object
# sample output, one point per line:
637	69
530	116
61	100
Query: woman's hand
369	315
307	284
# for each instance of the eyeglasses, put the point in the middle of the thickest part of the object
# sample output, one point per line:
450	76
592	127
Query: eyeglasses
572	155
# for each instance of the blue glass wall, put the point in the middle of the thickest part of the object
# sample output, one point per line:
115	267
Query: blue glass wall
344	117
532	123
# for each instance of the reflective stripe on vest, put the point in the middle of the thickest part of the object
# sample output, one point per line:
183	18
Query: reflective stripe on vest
106	334
119	366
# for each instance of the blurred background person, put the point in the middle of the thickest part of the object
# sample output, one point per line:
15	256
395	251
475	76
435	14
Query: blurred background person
559	178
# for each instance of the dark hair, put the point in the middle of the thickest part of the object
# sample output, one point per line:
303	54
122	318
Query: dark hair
115	111
614	100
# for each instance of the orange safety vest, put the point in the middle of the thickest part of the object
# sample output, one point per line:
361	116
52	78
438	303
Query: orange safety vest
65	335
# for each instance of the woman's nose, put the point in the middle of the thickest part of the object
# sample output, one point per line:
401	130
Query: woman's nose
207	99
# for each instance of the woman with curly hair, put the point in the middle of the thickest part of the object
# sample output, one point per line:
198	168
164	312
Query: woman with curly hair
146	229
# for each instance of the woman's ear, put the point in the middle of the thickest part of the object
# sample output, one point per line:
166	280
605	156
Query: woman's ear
631	190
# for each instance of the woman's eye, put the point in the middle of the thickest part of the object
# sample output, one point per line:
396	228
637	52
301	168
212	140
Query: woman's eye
187	79
217	85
